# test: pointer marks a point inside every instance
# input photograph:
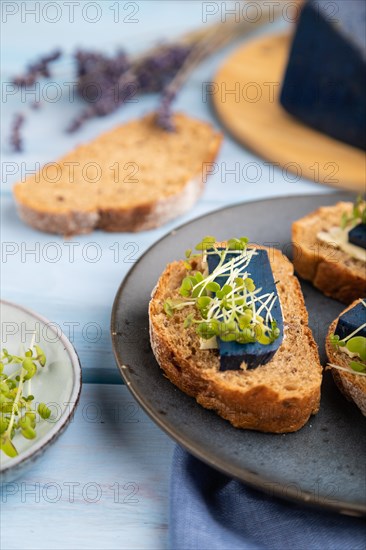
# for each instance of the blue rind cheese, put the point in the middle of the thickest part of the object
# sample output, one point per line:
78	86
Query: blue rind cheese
357	235
325	79
233	354
351	320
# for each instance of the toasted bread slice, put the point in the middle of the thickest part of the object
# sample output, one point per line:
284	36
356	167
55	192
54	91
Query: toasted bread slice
353	386
132	178
330	269
276	397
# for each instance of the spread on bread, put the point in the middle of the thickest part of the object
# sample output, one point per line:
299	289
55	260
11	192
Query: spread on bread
350	235
339	238
349	337
237	305
330	266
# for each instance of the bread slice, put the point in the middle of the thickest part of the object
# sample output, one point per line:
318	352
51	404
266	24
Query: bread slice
331	270
277	397
132	178
353	386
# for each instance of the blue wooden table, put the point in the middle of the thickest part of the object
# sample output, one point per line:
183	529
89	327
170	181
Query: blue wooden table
105	483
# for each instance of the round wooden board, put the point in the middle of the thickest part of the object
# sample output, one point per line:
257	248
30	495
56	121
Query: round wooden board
245	96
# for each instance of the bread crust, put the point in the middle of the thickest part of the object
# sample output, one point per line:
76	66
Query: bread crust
351	385
145	215
260	407
331	271
139	218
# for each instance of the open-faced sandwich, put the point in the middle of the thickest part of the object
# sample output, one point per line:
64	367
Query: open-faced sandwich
346	350
329	249
228	326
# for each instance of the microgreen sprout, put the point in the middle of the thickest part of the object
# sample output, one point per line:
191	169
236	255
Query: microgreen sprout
17	414
236	311
356	346
358	214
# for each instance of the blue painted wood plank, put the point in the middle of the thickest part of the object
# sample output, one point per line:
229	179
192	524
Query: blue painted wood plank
112	448
104	483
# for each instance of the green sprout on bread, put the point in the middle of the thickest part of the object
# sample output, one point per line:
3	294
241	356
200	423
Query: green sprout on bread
356	346
358	214
17	413
236	311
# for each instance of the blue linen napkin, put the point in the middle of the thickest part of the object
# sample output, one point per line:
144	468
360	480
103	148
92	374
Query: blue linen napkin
210	511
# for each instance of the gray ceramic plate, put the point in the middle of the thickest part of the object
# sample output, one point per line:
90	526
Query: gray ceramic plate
58	384
324	463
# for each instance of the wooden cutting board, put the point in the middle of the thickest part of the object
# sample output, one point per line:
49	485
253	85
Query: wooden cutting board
245	96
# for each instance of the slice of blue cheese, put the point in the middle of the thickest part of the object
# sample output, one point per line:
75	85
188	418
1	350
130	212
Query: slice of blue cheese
357	235
351	320
325	79
233	354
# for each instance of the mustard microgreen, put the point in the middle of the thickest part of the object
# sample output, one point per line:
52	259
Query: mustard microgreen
43	411
355	345
16	411
230	311
358	214
206	243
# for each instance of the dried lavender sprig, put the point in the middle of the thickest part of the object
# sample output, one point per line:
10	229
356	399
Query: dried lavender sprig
16	141
37	69
150	72
116	82
204	47
113	96
35	105
193	44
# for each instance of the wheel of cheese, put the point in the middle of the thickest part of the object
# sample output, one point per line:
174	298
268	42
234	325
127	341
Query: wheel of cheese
245	96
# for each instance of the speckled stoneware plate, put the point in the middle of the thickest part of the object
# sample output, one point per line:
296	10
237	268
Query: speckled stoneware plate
58	384
323	464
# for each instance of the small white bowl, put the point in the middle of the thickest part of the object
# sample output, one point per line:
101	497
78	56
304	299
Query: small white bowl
58	384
